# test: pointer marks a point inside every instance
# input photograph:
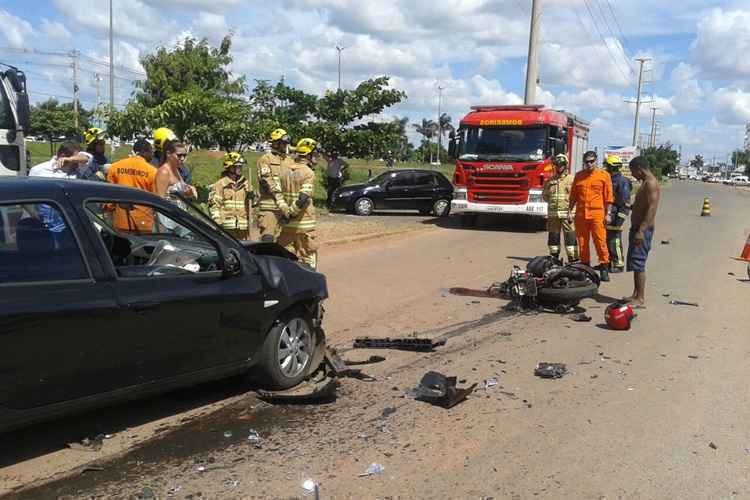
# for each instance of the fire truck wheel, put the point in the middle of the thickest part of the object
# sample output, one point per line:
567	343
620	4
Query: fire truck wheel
364	206
441	208
468	220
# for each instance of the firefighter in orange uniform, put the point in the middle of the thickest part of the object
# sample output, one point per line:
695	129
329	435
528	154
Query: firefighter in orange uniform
590	197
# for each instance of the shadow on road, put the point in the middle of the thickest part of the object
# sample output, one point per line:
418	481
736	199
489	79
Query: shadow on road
48	437
502	223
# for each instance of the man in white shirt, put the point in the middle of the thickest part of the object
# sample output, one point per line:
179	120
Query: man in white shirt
335	171
64	165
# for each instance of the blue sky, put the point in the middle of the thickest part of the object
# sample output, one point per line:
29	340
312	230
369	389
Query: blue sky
698	76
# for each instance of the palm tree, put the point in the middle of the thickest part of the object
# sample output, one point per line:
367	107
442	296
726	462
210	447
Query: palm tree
426	129
444	126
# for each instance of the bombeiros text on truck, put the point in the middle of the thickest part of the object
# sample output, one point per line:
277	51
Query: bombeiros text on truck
14	121
504	157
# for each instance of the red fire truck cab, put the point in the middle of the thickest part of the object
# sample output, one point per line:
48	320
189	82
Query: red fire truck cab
504	157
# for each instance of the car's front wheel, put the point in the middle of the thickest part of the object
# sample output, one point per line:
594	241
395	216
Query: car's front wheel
441	208
364	206
288	351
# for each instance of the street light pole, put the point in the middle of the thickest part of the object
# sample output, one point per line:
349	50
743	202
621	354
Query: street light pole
532	63
111	59
439	123
340	50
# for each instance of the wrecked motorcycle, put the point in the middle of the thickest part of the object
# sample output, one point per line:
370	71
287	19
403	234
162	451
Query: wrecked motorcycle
548	284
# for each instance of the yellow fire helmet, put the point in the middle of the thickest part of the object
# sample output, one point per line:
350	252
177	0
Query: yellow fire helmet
162	135
233	158
613	161
279	135
92	135
560	159
306	146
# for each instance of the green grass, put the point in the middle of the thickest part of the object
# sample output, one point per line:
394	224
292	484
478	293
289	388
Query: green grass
206	167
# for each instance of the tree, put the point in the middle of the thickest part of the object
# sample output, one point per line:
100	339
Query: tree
55	121
190	89
427	129
741	157
697	162
444	127
662	159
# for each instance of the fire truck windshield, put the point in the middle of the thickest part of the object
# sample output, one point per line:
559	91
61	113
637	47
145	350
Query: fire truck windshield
498	143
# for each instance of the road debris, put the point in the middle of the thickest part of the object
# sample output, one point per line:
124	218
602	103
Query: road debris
665	242
405	344
145	493
439	390
255	440
712	446
368	361
321	387
227	434
338	366
550	370
388	411
692	356
490	382
581	317
373	470
683	303
94	444
311	487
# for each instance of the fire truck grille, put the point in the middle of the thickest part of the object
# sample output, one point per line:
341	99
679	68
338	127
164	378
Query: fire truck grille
499	187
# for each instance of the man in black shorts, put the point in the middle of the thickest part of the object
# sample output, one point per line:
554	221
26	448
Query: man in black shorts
642	219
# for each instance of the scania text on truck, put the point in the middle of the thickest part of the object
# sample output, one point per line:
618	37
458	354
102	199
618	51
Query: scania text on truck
504	156
14	121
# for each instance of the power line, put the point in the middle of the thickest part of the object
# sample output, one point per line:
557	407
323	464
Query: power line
588	8
614	35
617	23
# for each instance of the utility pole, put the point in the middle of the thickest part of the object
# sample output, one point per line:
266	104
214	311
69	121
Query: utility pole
652	141
111	59
74	55
340	50
98	80
641	60
532	64
440	125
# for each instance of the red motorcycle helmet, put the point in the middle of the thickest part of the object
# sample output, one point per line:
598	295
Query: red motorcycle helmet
619	315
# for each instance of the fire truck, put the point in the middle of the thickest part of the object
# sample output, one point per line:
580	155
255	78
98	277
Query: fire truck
504	157
14	121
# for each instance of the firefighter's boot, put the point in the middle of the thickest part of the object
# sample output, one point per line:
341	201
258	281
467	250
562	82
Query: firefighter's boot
604	272
553	243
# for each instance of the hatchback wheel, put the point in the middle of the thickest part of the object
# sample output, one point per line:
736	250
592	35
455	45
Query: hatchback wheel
288	351
363	206
441	208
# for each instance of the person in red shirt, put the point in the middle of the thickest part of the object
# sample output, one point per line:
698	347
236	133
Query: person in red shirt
135	172
590	197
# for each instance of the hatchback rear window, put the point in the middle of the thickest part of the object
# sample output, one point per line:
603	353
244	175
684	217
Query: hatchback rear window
37	244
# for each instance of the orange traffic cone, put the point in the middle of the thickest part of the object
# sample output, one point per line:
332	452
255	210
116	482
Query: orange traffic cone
745	255
706	211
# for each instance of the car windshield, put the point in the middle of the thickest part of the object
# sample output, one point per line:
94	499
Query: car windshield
497	143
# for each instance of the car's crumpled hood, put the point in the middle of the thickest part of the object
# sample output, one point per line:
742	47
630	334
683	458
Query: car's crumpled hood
282	272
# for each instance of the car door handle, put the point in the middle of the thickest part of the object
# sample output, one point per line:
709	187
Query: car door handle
140	307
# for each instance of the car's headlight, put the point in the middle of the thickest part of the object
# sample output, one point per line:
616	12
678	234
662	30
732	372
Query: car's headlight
535	197
459	195
345	194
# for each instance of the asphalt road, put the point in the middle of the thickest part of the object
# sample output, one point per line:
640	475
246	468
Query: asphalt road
660	411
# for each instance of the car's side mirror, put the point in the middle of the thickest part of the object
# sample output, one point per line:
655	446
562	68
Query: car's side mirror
231	265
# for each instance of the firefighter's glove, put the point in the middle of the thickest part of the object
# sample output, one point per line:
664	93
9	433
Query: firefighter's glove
264	185
302	200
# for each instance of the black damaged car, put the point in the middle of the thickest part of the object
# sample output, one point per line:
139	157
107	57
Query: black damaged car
424	190
110	293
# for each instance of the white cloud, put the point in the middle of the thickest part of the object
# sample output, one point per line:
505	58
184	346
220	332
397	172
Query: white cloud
55	31
584	65
211	24
731	105
184	5
14	29
723	43
133	19
688	91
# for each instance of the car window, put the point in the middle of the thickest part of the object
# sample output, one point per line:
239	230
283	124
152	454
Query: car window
142	241
424	179
403	179
37	244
